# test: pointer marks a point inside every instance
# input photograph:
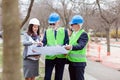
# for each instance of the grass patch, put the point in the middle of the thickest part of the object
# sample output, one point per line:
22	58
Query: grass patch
0	59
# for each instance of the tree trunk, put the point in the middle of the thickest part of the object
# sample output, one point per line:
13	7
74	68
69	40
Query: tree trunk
116	33
108	40
11	42
116	29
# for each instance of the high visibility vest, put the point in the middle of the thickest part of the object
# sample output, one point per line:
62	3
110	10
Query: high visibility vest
76	55
52	41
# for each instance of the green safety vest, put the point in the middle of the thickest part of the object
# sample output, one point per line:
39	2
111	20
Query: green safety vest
52	41
76	55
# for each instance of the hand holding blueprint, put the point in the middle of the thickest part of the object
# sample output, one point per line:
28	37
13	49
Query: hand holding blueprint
30	50
49	50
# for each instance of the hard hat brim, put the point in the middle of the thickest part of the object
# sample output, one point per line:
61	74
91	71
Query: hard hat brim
52	21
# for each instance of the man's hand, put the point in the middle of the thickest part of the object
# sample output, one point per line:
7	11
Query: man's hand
68	47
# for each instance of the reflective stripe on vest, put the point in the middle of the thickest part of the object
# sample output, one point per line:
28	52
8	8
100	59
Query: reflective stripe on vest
51	40
77	55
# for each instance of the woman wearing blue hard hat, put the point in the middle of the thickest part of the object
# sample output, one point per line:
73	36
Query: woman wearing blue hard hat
53	36
77	49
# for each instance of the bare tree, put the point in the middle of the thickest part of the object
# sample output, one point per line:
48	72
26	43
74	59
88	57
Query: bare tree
116	10
117	28
108	18
85	9
11	43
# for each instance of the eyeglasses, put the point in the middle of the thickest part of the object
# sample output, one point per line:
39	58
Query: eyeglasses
73	24
52	24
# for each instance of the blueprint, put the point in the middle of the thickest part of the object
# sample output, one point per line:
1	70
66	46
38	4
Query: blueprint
48	50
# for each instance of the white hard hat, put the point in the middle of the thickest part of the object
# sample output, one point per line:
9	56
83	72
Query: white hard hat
34	21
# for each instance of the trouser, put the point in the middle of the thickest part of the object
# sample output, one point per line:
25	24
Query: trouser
76	72
59	64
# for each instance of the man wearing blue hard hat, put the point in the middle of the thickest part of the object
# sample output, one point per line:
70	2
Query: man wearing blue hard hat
77	49
53	36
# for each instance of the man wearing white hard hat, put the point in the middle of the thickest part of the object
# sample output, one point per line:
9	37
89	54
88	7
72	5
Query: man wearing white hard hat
77	49
31	63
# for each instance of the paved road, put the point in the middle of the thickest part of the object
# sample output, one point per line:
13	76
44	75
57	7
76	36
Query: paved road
66	75
97	71
101	72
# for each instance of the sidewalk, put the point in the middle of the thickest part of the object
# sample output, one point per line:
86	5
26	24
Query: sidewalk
98	52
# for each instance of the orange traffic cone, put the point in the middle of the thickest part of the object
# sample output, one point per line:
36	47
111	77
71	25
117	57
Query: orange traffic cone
108	53
99	57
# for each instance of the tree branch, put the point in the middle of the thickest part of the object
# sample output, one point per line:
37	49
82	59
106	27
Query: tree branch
28	13
97	1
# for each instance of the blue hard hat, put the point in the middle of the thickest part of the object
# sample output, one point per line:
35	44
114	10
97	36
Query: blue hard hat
77	19
53	18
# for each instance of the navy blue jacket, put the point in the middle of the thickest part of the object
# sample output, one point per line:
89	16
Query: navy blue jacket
82	41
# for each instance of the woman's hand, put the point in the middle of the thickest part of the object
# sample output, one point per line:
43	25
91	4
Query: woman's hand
40	43
37	57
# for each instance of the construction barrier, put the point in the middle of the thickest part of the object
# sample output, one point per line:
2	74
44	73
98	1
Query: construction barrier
99	56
